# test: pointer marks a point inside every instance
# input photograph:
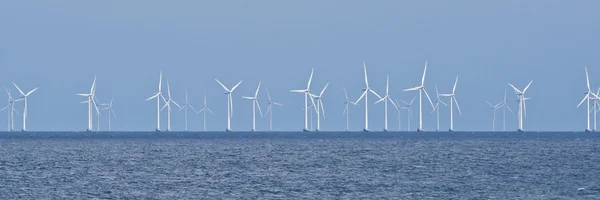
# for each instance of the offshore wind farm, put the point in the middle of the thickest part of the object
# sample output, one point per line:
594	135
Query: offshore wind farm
299	100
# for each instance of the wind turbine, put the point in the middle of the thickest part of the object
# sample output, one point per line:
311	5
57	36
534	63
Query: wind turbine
421	89
168	105
110	109
504	107
385	102
90	101
522	104
366	96
204	109
229	102
346	109
452	101
185	106
436	107
589	94
319	106
270	110
24	96
254	105
11	110
408	107
494	108
158	96
306	94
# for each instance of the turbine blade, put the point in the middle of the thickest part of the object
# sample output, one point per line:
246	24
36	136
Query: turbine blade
198	112
457	106
424	72
257	89
428	97
152	97
298	91
258	105
380	100
346	94
455	82
515	88
587	78
387	84
489	104
19	89
583	100
245	97
530	82
211	112
322	108
236	85
31	91
268	109
412	89
225	88
312	71
269	95
83	95
322	91
361	96
366	80
277	104
394	104
345	109
375	93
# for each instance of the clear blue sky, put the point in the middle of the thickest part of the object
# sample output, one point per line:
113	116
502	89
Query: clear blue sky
60	45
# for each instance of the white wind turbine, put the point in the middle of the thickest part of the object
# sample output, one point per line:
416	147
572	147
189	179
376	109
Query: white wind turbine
254	105
452	102
346	108
595	107
168	105
421	89
505	106
110	109
306	97
319	106
158	96
436	108
522	104
229	102
270	110
494	108
24	96
185	106
203	110
11	110
385	103
588	95
365	94
408	108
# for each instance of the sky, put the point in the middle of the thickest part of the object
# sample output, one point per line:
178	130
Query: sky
59	46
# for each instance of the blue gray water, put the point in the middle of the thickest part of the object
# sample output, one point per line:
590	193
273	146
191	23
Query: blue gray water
300	165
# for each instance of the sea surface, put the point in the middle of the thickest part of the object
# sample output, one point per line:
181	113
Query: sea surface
296	165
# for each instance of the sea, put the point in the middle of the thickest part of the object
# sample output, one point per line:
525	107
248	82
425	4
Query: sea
299	165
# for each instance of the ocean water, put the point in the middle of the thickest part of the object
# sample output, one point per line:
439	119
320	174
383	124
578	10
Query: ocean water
290	165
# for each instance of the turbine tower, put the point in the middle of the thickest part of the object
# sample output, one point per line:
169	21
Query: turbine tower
204	109
436	108
168	105
229	102
306	96
158	96
346	109
452	102
11	110
588	95
319	106
254	105
24	96
385	103
270	110
421	89
90	101
185	106
504	107
110	109
522	104
365	94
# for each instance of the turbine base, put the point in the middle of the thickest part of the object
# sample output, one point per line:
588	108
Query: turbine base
88	130
24	130
365	130
305	130
420	130
385	130
157	130
227	130
253	130
318	130
450	130
588	130
520	130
